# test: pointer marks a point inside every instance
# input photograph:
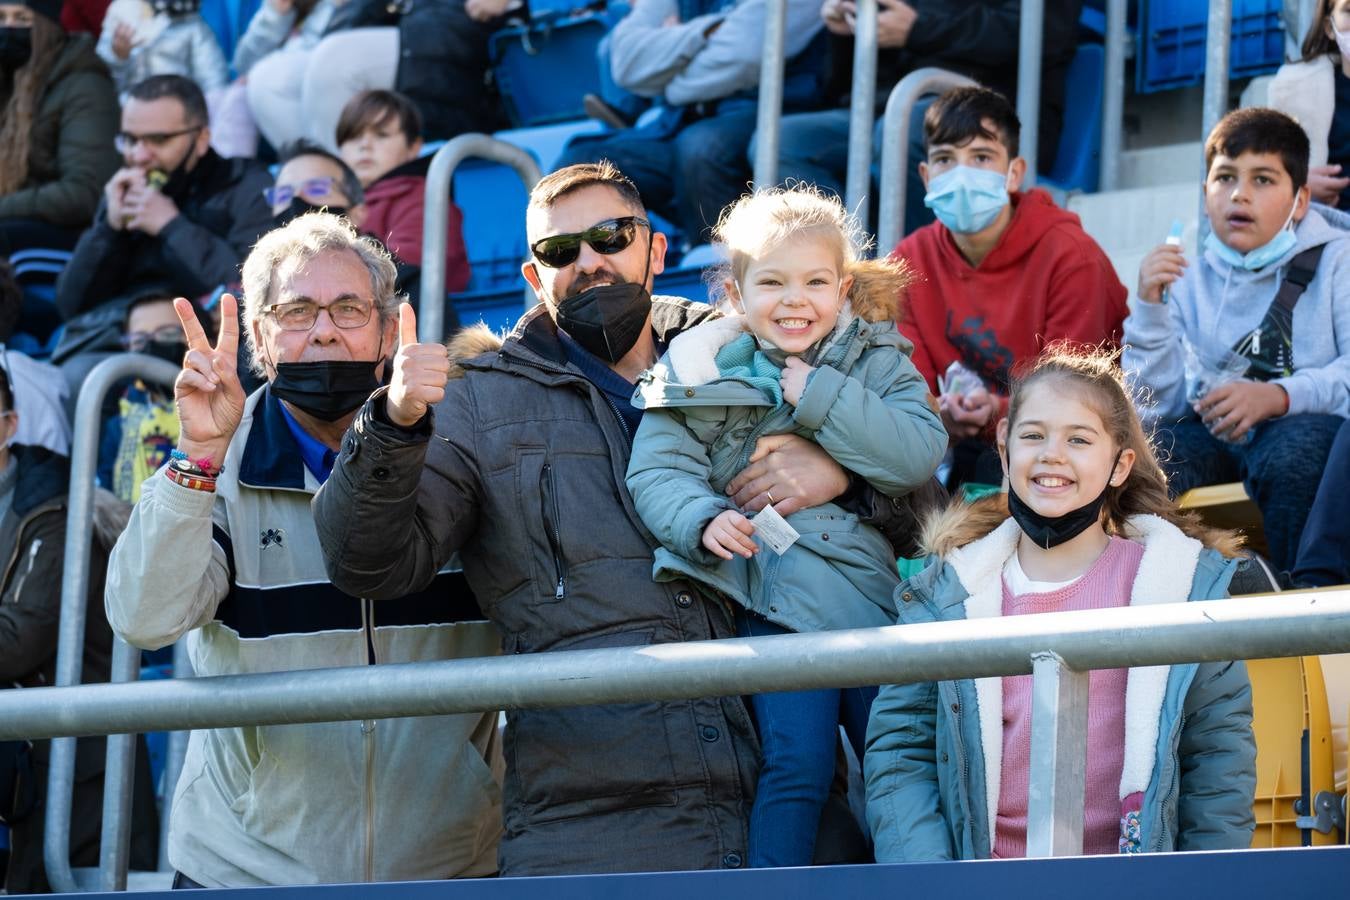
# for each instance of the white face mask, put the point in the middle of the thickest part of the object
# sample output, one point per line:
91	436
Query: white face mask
1342	39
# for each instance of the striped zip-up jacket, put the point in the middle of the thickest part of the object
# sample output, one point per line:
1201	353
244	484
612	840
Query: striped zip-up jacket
241	574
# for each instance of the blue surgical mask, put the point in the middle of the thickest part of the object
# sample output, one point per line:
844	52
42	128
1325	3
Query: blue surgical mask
967	199
1260	257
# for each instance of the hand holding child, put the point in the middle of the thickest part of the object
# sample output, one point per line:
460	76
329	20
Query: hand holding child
1163	265
1233	409
793	380
729	533
789	471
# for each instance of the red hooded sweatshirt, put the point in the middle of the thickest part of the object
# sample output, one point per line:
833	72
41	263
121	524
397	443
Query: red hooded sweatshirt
1045	280
394	209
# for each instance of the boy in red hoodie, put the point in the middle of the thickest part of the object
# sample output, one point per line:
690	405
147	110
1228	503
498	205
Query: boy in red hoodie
1001	273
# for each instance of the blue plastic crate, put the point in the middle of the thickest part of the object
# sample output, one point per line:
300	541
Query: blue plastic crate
1172	41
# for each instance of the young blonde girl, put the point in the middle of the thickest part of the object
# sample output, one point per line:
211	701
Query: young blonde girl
1170	753
811	349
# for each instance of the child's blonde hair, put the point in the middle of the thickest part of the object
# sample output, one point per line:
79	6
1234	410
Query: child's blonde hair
1093	374
757	223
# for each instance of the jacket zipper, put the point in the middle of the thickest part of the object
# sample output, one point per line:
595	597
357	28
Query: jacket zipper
552	529
368	738
32	561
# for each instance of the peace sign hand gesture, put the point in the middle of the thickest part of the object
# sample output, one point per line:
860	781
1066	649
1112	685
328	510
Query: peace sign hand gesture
207	392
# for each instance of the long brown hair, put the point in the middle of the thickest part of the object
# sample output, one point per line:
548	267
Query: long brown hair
1317	42
1093	375
26	90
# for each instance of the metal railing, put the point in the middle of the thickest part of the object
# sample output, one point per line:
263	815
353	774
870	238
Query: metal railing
862	111
70	645
1030	46
1113	95
431	317
895	146
1057	648
769	120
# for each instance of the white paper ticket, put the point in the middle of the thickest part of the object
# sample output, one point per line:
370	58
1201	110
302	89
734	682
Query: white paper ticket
775	530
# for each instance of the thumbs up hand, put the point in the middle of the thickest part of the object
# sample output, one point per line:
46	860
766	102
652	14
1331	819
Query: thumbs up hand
420	373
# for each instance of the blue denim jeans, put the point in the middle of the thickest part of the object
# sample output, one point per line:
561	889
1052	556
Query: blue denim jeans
1281	467
813	147
798	732
688	178
1324	552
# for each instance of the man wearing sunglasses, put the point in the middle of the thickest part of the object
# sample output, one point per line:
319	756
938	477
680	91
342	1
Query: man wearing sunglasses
175	214
517	463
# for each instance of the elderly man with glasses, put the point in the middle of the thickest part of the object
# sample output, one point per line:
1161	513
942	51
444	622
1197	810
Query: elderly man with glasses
222	549
176	216
514	456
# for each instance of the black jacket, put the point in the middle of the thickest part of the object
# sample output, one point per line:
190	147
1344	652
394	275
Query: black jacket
223	213
443	61
979	39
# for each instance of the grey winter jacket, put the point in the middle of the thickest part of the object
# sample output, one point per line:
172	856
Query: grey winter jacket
520	469
187	46
685	64
1218	304
934	749
868	409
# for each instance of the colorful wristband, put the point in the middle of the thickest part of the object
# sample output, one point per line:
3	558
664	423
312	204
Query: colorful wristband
203	464
195	482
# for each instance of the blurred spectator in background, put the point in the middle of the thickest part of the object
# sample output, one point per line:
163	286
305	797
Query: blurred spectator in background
380	137
270	60
83	16
313	178
139	438
1315	90
162	37
977	38
33	486
701	61
56	145
177	217
434	51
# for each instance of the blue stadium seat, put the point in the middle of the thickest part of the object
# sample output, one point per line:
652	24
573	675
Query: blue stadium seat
545	66
229	20
547	142
492	199
1080	140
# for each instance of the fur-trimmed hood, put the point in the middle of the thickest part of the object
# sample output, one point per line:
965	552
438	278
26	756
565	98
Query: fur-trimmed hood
474	340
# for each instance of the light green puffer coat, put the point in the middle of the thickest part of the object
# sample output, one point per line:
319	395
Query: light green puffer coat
865	404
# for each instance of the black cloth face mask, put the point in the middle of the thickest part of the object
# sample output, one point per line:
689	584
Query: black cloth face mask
169	351
328	389
607	320
1051	531
16	48
298	207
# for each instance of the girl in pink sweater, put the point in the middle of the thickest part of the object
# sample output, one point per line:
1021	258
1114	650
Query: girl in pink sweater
1170	753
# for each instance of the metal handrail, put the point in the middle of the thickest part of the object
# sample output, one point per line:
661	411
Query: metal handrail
74	585
1030	44
1113	95
862	110
1289	624
895	145
769	115
431	317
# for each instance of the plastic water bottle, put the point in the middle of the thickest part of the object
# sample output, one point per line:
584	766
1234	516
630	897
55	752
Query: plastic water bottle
1173	240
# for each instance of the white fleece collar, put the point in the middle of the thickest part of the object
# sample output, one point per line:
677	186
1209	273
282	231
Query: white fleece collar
692	355
1168	553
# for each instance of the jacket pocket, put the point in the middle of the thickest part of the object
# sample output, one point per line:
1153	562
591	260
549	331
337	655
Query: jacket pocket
541	519
584	761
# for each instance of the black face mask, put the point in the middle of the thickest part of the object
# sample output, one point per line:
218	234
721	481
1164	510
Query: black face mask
169	351
328	389
16	48
606	320
1051	531
298	207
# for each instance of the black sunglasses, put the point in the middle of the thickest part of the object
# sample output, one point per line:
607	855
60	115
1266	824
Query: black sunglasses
608	237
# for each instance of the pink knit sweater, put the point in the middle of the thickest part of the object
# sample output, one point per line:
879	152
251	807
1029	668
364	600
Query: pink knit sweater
1107	584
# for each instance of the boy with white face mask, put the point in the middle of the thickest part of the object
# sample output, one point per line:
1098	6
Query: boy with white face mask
1269	293
1001	273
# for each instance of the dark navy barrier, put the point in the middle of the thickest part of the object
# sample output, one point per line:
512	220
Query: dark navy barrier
1234	875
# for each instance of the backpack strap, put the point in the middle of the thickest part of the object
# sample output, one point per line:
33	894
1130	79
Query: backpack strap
1299	272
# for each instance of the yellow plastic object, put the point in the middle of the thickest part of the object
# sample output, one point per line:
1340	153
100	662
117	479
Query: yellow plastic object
1288	698
1228	506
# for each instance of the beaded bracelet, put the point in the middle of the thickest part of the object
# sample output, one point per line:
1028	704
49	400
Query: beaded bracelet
203	464
195	482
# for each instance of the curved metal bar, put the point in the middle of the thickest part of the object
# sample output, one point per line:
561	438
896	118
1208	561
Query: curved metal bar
862	110
1113	95
74	584
1031	36
431	317
769	121
1289	624
895	145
